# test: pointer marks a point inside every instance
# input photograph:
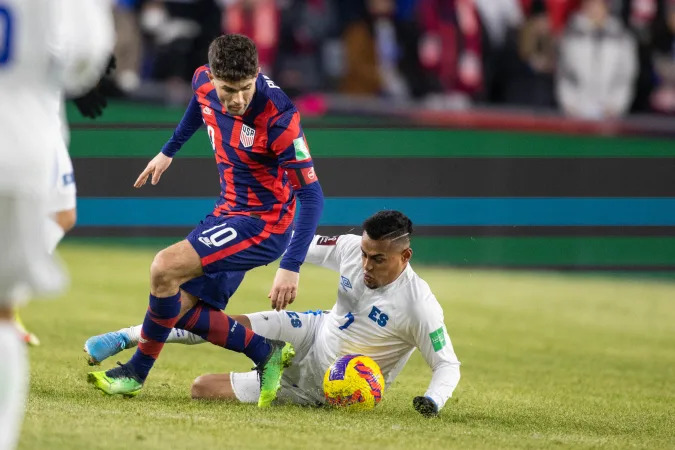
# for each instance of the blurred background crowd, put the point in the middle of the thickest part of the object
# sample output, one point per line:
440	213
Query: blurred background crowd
591	59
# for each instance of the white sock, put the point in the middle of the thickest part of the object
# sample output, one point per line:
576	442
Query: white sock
133	333
13	384
53	234
176	336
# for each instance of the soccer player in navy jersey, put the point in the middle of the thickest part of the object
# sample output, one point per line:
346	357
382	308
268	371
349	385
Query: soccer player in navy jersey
264	164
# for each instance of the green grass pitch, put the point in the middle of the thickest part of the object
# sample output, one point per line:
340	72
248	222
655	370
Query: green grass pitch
548	361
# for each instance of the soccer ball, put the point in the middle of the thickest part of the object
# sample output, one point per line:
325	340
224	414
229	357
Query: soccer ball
353	382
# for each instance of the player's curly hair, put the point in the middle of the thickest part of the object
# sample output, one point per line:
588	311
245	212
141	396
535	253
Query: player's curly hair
233	57
388	224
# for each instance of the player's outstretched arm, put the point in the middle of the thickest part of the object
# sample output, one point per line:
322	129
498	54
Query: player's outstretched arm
430	335
156	167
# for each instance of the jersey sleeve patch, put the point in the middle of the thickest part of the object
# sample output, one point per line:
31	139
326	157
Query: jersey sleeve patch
437	339
327	240
301	177
301	149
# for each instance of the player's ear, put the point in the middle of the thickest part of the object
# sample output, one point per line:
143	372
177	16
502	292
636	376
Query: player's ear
208	74
406	254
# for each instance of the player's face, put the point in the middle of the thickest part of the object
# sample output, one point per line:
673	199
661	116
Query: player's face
383	260
234	95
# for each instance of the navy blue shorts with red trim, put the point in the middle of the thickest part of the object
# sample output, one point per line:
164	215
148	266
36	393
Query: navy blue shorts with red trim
229	246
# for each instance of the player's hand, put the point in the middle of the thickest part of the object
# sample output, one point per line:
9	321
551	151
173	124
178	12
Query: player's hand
92	103
284	288
425	406
156	167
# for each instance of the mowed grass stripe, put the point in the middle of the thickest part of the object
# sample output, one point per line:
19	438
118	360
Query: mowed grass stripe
548	361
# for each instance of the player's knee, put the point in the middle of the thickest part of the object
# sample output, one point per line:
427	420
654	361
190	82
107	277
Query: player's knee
201	388
160	269
66	219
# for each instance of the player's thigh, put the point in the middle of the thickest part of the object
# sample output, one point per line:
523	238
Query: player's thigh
179	261
298	328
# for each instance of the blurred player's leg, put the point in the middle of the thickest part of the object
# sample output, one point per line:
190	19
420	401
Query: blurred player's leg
13	381
60	220
25	269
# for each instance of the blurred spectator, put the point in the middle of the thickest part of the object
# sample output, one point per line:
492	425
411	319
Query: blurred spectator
373	53
558	11
306	27
531	80
128	46
450	45
448	52
180	32
258	19
639	17
500	19
597	64
663	97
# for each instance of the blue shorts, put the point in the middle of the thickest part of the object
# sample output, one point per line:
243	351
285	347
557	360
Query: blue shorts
229	246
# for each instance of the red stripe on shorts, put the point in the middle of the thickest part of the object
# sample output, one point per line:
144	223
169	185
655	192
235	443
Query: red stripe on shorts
243	245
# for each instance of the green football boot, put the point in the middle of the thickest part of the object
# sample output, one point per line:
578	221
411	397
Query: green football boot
120	380
270	371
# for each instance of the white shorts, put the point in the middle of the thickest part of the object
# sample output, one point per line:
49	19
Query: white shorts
63	192
301	383
26	268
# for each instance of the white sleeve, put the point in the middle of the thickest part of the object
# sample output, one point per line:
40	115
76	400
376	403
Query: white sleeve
328	251
431	338
84	41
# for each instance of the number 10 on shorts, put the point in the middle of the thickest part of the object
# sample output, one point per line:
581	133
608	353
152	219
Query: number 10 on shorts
218	238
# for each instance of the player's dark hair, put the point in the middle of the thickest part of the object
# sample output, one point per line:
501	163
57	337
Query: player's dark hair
388	225
233	57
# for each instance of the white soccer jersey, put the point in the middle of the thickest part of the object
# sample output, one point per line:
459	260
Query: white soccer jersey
46	46
386	324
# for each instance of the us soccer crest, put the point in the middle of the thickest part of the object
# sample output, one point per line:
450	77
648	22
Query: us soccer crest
247	135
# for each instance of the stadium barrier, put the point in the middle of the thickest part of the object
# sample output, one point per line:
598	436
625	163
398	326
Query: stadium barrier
510	197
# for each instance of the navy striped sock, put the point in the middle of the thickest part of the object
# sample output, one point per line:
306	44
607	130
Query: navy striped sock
220	329
160	318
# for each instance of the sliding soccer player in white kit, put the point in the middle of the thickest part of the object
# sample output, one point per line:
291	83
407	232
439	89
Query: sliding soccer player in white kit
384	310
